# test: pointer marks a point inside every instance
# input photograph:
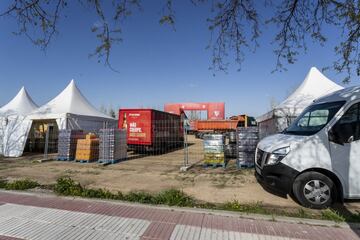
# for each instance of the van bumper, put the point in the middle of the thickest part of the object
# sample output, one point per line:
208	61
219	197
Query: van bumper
277	178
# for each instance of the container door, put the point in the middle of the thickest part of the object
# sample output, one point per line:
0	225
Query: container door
138	125
344	138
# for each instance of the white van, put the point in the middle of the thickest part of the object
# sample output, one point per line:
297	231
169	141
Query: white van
317	158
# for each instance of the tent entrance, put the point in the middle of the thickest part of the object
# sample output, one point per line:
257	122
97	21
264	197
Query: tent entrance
37	136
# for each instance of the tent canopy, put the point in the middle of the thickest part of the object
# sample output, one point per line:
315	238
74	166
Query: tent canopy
14	123
314	86
69	101
21	104
70	109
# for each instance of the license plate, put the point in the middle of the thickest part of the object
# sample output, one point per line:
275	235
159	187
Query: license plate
258	170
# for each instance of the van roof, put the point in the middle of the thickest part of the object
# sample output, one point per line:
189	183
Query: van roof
346	94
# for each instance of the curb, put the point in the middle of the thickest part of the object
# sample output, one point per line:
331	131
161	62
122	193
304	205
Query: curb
293	220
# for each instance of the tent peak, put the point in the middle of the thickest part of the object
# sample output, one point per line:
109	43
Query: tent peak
71	101
22	103
313	68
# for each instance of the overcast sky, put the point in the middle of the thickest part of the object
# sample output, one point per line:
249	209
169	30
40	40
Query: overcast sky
156	64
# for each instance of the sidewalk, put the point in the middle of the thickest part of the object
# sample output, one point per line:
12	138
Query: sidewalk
30	216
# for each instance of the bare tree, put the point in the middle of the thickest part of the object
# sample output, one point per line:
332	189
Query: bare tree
235	27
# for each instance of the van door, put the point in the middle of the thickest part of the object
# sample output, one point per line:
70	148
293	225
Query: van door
344	140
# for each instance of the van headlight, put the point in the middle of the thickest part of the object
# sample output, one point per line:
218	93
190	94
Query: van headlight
277	155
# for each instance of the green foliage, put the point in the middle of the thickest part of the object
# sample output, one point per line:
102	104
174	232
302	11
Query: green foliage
354	217
141	197
332	215
172	197
96	193
66	186
255	207
175	197
3	183
20	185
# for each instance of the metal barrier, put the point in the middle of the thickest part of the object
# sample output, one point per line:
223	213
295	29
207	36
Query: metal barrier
167	143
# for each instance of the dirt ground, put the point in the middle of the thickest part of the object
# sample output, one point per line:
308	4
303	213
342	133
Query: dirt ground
155	173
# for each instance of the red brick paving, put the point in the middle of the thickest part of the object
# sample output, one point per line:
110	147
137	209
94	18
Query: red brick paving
158	230
164	221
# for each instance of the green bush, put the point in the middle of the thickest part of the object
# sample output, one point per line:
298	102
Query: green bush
141	197
332	215
21	185
98	193
174	197
66	186
3	183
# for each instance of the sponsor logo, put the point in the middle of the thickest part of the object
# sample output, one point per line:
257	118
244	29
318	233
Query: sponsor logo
216	113
134	129
134	114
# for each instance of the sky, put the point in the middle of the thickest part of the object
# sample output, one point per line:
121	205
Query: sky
156	64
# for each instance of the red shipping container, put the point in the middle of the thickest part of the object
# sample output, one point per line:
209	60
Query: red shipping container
152	129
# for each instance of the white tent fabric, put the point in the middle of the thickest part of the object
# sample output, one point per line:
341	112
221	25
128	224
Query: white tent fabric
315	85
69	101
72	110
14	126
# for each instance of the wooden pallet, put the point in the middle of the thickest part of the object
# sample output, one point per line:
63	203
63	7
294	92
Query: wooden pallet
105	161
244	165
84	161
214	165
64	159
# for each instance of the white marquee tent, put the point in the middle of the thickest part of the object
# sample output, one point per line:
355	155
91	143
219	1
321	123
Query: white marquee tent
68	110
72	110
13	123
314	86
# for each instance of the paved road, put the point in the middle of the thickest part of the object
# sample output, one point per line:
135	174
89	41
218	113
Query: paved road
29	216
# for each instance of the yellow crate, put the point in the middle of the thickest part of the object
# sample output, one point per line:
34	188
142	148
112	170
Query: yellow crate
214	161
214	155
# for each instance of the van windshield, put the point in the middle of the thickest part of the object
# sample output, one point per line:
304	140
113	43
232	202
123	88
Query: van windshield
314	118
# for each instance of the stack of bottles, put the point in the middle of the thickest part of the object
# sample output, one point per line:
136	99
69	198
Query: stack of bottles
247	140
214	150
113	145
87	149
67	143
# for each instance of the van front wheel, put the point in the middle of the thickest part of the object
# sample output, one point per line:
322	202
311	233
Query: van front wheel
314	190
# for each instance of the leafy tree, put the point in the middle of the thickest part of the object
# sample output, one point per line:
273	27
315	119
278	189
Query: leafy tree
112	112
103	109
235	26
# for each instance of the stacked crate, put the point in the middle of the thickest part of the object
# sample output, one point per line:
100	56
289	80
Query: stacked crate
214	150
247	140
113	145
87	150
230	148
67	141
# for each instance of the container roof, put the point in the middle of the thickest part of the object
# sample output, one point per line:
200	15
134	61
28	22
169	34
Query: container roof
70	100
21	104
